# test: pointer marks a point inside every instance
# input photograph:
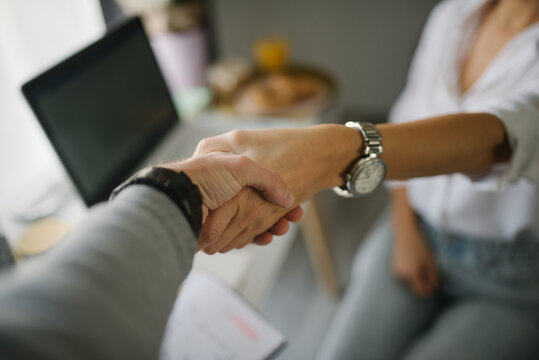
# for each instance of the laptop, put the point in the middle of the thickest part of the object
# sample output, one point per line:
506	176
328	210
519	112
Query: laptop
107	112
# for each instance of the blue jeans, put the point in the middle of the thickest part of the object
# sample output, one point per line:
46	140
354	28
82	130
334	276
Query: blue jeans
486	307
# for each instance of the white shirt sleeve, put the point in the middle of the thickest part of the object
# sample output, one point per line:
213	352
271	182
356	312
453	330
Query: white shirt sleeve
519	114
517	108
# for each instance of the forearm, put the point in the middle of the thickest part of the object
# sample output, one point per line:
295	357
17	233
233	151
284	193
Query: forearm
315	158
107	290
467	143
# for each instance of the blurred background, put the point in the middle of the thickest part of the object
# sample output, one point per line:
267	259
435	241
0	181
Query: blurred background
365	47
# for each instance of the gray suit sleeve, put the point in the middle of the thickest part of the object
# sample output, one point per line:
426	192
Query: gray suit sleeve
106	290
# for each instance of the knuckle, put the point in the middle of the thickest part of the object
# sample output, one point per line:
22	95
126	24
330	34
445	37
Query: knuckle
243	161
210	250
203	146
237	136
257	215
231	245
275	180
211	236
244	244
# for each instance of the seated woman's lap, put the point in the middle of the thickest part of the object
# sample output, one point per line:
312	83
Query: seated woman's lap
472	330
378	317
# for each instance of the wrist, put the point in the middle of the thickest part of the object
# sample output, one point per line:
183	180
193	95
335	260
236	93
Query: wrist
346	146
407	232
194	170
176	185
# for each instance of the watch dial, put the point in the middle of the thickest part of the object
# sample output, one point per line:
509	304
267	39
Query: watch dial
370	177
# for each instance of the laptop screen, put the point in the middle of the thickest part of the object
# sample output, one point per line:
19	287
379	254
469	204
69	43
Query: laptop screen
104	109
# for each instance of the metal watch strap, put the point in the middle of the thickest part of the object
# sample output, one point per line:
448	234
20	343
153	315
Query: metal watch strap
372	139
177	186
372	148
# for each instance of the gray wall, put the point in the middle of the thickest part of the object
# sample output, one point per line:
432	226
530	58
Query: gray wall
366	45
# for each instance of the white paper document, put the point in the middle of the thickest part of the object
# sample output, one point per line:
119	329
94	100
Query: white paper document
211	321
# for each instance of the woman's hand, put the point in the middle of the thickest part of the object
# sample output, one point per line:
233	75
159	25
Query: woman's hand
220	176
413	262
229	182
309	159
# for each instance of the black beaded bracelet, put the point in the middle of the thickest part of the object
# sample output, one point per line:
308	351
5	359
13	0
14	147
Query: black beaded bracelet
177	186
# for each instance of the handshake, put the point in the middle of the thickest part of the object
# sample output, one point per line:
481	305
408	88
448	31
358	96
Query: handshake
252	182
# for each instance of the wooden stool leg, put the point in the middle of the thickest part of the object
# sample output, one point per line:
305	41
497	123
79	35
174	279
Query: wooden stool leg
318	248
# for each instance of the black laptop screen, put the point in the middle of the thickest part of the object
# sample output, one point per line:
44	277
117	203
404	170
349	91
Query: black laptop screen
104	109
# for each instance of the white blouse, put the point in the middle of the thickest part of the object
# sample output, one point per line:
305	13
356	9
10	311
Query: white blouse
504	204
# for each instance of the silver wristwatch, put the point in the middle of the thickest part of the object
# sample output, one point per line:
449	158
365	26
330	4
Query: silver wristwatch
370	169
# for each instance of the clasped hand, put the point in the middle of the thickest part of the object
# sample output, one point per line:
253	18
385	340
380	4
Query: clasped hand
309	159
229	184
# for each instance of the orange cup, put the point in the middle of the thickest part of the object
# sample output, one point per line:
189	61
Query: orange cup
271	54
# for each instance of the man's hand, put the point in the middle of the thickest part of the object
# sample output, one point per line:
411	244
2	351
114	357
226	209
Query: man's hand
237	222
309	159
220	176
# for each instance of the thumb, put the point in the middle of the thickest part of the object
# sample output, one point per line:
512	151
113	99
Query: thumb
269	183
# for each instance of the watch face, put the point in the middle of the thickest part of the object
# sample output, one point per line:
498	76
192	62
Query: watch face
370	173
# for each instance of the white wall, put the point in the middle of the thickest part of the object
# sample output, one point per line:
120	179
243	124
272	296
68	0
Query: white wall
34	34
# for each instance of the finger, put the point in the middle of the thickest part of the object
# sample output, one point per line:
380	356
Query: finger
216	223
269	183
424	279
242	242
255	215
205	146
229	235
223	142
281	227
415	284
243	238
263	239
432	277
295	214
247	236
